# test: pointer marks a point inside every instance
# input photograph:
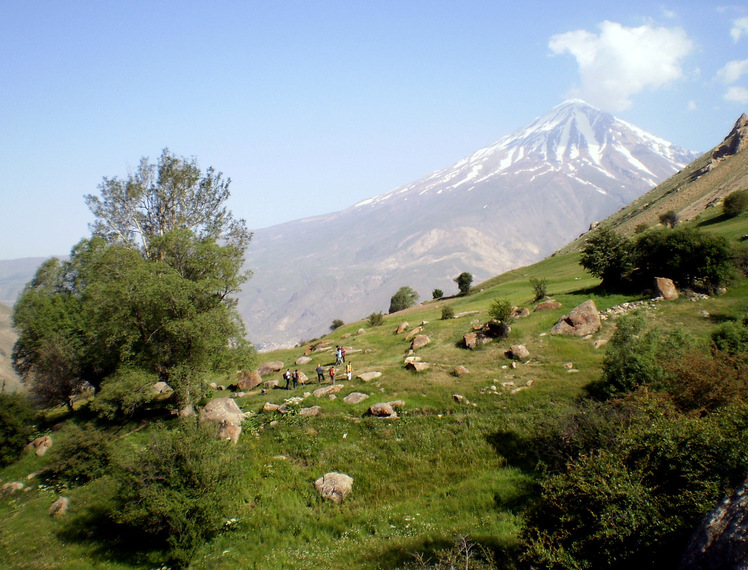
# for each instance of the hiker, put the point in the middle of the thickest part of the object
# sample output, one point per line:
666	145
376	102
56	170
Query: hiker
338	355
320	374
332	375
349	370
287	376
342	353
295	378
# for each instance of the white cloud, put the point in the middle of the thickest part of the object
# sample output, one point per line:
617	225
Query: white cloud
733	70
692	105
739	27
619	62
737	95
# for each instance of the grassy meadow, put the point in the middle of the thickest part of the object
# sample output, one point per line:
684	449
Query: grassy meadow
441	471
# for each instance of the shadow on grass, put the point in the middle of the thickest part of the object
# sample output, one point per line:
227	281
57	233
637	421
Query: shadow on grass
719	219
428	553
722	318
107	541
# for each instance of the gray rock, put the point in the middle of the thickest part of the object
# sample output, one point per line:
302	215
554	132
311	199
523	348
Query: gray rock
666	288
355	398
582	320
270	367
518	352
249	380
369	376
302	360
222	409
327	390
312	411
334	486
59	507
162	388
417	366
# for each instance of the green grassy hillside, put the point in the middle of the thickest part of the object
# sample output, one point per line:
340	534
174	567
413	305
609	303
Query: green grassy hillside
440	471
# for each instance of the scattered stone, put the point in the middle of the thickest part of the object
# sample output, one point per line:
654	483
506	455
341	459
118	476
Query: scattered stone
369	376
355	398
302	360
249	380
397	404
572	371
418	366
519	389
518	352
361	331
598	343
327	390
568	365
402	327
303	379
332	397
547	306
514	365
666	288
409	359
520	312
228	431
270	384
59	507
529	383
383	410
334	486
416	331
270	367
582	320
460	399
40	445
470	340
508	384
705	314
222	409
162	388
10	488
270	407
465	314
313	411
461	371
419	341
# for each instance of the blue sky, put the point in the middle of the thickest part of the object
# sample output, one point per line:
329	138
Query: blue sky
312	106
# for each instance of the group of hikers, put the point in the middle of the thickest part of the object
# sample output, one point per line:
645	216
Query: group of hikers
292	378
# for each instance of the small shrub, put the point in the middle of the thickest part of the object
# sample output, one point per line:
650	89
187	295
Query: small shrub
641	228
539	286
17	419
82	455
735	203
124	393
437	294
447	312
179	489
731	338
669	219
336	324
375	319
501	310
464	280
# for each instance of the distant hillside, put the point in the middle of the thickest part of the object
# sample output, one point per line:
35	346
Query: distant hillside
702	184
14	274
9	380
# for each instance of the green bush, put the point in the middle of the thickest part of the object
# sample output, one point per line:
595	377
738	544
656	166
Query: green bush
336	324
124	393
669	219
447	312
539	286
403	299
501	310
636	356
82	455
180	489
17	419
607	255
375	319
437	294
731	338
464	280
735	203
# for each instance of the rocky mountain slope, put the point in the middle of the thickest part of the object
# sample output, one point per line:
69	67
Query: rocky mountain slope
507	205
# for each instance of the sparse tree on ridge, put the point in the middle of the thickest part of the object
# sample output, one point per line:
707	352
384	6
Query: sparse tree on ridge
464	280
403	299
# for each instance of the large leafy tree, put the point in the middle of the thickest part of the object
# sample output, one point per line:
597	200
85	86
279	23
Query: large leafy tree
150	291
607	255
404	298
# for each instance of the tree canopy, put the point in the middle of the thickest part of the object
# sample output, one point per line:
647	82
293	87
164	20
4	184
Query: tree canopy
150	291
404	298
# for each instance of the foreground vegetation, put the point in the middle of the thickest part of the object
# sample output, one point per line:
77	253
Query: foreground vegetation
574	457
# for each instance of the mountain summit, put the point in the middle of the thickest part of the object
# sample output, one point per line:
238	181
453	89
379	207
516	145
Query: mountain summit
506	205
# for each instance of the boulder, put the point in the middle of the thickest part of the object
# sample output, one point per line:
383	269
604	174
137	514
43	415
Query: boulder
666	288
270	407
470	340
413	333
40	445
382	410
249	380
417	366
582	320
162	388
460	399
327	390
419	341
355	398
222	409
361	331
401	328
302	360
520	312
270	384
598	343
334	486
59	507
518	352
10	488
270	367
461	371
312	411
369	376
547	306
228	431
721	539
409	359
